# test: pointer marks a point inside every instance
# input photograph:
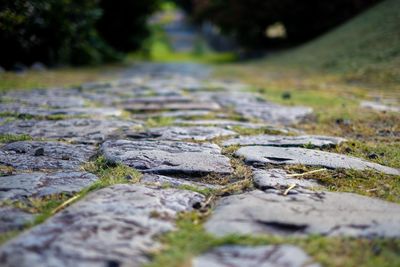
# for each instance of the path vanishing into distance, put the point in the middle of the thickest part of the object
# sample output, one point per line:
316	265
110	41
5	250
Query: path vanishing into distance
98	174
197	145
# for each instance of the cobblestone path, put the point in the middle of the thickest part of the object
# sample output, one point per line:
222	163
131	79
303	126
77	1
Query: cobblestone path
186	134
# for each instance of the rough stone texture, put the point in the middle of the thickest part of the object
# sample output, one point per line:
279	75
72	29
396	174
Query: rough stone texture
259	256
34	155
115	226
171	106
55	98
285	141
273	113
325	213
229	124
278	179
162	180
12	219
379	106
168	157
251	105
17	108
181	133
39	184
174	114
278	155
73	130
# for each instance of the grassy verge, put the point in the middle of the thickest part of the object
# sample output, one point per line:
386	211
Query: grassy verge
59	77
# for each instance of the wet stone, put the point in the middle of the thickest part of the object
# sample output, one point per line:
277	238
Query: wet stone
115	225
74	130
258	256
279	179
181	133
285	141
38	184
324	213
167	157
161	180
12	219
21	155
261	155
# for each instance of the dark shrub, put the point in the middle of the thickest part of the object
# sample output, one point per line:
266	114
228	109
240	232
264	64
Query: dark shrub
123	24
51	31
247	20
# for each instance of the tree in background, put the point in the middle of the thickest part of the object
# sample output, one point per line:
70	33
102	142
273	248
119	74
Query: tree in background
123	23
247	21
73	32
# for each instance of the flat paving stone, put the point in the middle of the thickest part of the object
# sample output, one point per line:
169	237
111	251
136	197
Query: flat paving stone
54	98
273	113
18	109
279	179
251	105
167	157
181	133
12	219
259	155
37	155
114	226
258	256
171	106
39	184
174	114
378	106
324	213
162	180
285	141
88	131
229	124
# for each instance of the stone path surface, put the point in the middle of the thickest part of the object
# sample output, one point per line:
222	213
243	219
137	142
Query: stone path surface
186	133
260	256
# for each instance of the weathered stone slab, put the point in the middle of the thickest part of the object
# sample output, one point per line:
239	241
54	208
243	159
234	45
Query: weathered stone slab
232	123
273	113
74	130
162	180
174	114
279	179
325	213
171	106
222	123
285	141
55	98
38	184
12	219
17	108
251	105
167	157
35	155
278	155
181	133
115	226
259	256
378	106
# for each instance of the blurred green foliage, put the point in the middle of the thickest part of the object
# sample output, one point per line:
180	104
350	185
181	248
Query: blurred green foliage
72	32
